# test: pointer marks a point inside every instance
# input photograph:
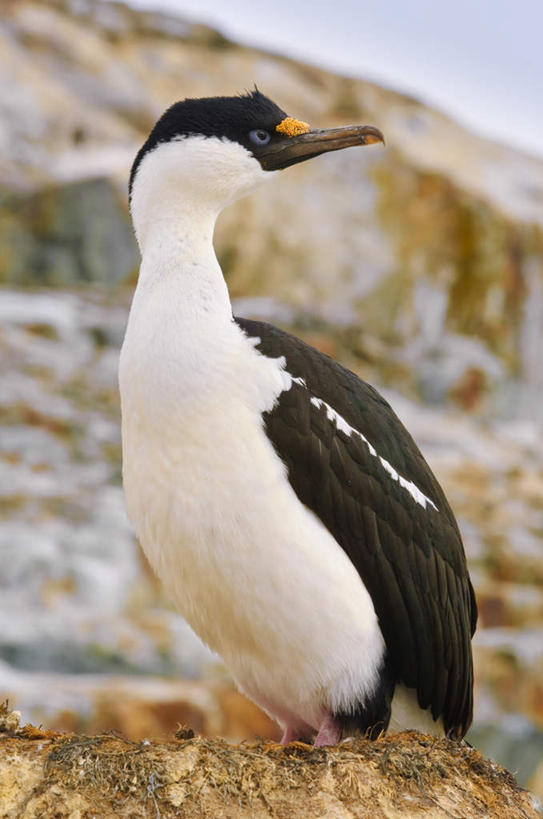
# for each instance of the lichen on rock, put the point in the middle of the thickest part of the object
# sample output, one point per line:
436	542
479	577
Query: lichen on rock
44	774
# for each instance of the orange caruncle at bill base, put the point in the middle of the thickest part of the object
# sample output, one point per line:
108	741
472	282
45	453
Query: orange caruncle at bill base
292	127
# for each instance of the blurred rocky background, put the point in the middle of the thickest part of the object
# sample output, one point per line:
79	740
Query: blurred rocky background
419	266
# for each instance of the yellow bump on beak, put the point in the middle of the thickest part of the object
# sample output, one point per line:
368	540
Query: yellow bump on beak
292	127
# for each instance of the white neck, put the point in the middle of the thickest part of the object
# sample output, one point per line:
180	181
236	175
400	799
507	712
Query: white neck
180	325
179	190
179	263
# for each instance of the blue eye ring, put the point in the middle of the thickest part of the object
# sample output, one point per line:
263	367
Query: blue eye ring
259	136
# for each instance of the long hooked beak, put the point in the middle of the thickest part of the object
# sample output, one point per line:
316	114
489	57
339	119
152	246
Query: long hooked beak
288	150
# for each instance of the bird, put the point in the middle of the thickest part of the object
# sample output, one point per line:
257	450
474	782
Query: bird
287	511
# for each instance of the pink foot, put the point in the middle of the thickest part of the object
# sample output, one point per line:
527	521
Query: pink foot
289	735
329	732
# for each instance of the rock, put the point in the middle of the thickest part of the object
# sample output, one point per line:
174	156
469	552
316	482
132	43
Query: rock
44	774
519	747
66	235
536	781
9	720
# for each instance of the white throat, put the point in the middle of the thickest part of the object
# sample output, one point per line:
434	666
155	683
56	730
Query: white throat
178	192
181	343
179	262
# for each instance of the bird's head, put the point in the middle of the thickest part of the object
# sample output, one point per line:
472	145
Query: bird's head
208	152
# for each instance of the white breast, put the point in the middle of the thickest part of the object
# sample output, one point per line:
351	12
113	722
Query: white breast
254	572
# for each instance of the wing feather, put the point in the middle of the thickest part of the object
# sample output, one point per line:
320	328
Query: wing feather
408	552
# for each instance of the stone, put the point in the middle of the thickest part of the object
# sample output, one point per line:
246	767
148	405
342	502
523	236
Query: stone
50	774
64	235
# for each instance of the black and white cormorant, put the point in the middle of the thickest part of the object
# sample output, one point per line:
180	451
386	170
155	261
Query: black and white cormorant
288	512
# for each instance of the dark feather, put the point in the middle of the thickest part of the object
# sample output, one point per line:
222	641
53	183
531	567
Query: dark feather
410	558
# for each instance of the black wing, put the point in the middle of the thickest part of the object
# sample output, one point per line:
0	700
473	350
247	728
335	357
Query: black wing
408	553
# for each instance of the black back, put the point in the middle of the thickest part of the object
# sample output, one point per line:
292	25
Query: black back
410	558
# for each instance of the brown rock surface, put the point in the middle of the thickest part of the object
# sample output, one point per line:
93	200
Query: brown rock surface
43	774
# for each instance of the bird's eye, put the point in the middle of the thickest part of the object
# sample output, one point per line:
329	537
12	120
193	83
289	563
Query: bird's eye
259	136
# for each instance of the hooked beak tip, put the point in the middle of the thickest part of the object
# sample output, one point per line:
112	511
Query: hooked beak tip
373	137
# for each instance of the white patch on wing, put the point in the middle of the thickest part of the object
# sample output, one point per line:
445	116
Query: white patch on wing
342	424
345	427
299	381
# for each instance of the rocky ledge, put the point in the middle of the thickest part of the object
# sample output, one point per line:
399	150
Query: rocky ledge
45	774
